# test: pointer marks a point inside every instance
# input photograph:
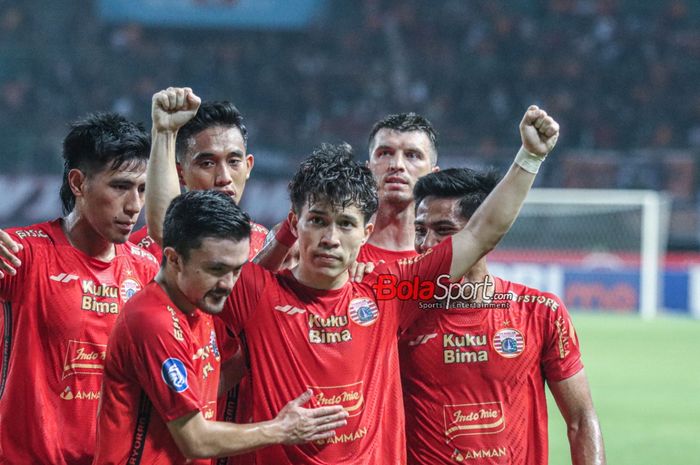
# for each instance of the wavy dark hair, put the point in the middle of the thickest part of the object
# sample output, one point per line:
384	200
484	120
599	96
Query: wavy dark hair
331	175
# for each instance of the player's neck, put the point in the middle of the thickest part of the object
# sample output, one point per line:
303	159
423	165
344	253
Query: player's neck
166	279
310	278
394	228
82	236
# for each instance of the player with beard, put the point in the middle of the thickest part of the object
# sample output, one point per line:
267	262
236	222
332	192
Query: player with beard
162	365
63	286
473	374
207	143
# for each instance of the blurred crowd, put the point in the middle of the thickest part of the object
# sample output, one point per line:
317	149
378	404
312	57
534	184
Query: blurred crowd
619	75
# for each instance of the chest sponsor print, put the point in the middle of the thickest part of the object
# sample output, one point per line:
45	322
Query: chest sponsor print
84	358
349	396
509	342
470	419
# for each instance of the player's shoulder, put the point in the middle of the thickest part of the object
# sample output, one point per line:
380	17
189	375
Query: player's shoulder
529	297
137	254
141	238
256	228
46	234
149	310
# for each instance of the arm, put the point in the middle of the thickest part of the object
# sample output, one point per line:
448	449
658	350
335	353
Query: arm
199	438
573	396
539	133
170	110
278	244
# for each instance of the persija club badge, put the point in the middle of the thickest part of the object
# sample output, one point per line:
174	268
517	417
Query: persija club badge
509	342
363	312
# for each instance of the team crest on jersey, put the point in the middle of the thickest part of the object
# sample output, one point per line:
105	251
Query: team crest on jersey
128	288
509	342
363	312
174	374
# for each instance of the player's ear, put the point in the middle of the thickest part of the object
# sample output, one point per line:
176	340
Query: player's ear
76	181
178	165
369	227
435	169
293	222
250	162
173	258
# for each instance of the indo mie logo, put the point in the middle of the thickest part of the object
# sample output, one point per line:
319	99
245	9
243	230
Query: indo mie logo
389	287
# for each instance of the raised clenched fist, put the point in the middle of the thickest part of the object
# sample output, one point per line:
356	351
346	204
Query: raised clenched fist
173	107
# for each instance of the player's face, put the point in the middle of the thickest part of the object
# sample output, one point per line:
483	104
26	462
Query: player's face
110	200
207	277
329	240
217	160
436	220
397	159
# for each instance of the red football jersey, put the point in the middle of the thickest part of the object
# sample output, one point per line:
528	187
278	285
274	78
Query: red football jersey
340	343
474	378
161	365
258	233
372	254
59	311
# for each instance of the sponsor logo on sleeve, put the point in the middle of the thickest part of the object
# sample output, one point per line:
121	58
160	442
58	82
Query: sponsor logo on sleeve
363	311
174	374
470	419
24	233
128	288
509	342
177	329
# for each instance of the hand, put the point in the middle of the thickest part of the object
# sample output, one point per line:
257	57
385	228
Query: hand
299	424
8	261
538	131
358	270
173	107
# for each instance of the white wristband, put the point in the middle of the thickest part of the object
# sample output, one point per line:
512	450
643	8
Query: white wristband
528	161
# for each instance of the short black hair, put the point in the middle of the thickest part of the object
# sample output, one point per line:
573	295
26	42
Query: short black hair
210	114
330	174
196	215
406	122
470	186
101	140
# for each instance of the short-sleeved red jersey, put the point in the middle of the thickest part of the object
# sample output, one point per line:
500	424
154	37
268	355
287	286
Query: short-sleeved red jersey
372	254
161	365
59	310
340	343
474	378
258	233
